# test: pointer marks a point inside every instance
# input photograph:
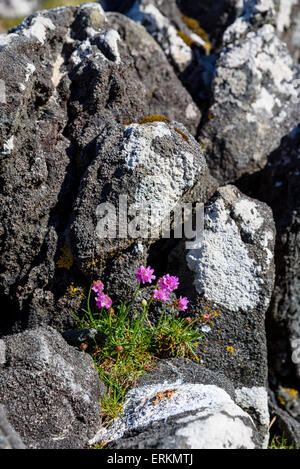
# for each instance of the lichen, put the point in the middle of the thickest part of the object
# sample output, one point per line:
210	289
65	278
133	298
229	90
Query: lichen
154	118
185	137
188	41
194	26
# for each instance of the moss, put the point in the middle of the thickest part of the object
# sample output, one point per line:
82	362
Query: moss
189	42
194	26
185	137
149	119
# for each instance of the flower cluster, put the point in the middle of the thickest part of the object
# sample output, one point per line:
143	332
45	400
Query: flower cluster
165	286
102	300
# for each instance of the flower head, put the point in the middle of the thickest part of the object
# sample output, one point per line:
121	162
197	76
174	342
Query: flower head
83	346
168	282
188	319
144	275
181	304
161	295
98	286
103	301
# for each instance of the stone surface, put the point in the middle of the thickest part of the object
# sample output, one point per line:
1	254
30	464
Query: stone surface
18	8
50	390
9	439
253	102
190	412
288	25
278	185
92	71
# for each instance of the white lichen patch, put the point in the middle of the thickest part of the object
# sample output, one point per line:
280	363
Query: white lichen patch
8	146
224	270
283	19
30	69
217	431
142	408
168	176
255	398
2	352
57	74
38	28
110	39
164	32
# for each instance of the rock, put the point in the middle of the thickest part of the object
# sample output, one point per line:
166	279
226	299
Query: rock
253	103
180	406
90	337
152	165
278	185
285	423
92	70
9	439
288	25
50	390
18	8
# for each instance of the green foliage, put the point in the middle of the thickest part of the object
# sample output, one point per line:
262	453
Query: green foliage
280	442
133	345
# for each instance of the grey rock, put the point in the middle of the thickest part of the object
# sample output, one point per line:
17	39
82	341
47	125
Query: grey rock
190	412
253	101
278	185
288	25
92	70
285	423
50	390
9	439
152	165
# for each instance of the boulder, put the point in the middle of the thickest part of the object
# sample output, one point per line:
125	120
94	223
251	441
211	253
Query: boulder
181	406
288	25
91	71
50	390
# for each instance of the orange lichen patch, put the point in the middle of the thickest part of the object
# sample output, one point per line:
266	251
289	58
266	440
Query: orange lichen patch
291	393
194	26
161	396
149	119
230	349
66	259
188	41
127	123
210	116
185	137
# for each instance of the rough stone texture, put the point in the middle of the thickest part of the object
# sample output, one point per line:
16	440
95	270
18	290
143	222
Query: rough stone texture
278	185
90	337
288	25
152	165
180	406
9	439
91	71
254	101
50	390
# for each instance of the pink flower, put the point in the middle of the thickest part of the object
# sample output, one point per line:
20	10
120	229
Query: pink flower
168	282
206	316
188	319
103	301
119	348
144	275
181	304
83	346
161	295
98	286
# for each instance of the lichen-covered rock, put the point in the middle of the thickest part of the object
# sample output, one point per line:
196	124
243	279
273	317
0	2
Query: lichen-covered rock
90	70
181	406
278	185
9	439
228	276
288	25
153	165
50	390
254	101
